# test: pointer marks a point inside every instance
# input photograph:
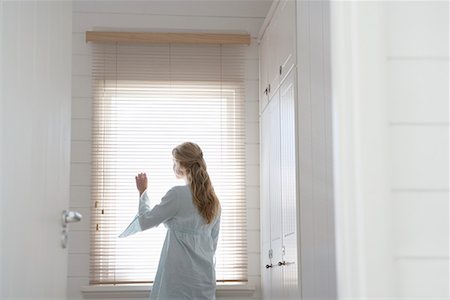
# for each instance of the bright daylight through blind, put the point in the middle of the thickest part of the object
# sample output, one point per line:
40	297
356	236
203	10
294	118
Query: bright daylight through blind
148	99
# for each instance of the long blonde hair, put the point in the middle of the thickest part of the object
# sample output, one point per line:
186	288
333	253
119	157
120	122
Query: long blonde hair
189	157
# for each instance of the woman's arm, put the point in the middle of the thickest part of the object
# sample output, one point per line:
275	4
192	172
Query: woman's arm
160	213
141	183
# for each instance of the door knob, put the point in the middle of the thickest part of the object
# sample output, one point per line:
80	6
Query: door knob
70	217
66	218
268	266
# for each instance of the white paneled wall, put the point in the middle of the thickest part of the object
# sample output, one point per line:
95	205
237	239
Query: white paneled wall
317	237
156	15
417	43
391	118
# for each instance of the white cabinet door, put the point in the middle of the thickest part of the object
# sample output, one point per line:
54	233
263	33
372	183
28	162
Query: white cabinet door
277	271
273	32
265	176
266	270
278	162
271	226
288	186
274	170
285	55
278	46
265	207
264	61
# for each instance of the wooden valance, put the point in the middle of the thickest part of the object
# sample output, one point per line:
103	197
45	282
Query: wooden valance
166	37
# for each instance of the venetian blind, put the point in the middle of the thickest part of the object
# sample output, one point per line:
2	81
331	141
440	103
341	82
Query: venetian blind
148	98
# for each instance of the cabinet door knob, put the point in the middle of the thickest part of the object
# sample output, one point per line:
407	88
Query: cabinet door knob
281	263
269	266
281	69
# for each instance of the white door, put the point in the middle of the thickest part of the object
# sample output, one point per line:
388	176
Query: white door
288	186
264	62
274	169
35	92
286	41
275	195
266	249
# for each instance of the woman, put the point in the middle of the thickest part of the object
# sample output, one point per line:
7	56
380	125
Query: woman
191	214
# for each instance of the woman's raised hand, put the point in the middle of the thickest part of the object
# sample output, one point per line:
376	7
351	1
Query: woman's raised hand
141	182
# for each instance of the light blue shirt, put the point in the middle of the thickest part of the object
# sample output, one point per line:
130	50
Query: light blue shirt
186	267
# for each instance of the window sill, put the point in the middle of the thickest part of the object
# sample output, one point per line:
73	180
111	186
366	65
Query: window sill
143	291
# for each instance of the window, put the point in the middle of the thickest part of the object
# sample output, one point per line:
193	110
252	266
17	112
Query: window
148	99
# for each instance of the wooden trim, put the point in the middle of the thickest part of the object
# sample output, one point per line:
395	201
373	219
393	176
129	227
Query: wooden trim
166	37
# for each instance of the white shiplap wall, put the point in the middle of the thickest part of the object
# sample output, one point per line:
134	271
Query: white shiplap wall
226	16
391	105
417	56
317	238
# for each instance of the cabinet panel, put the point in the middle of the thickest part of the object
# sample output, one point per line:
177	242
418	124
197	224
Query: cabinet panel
266	273
287	42
264	61
278	188
277	271
273	50
278	48
265	178
287	155
278	156
275	172
290	269
288	185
